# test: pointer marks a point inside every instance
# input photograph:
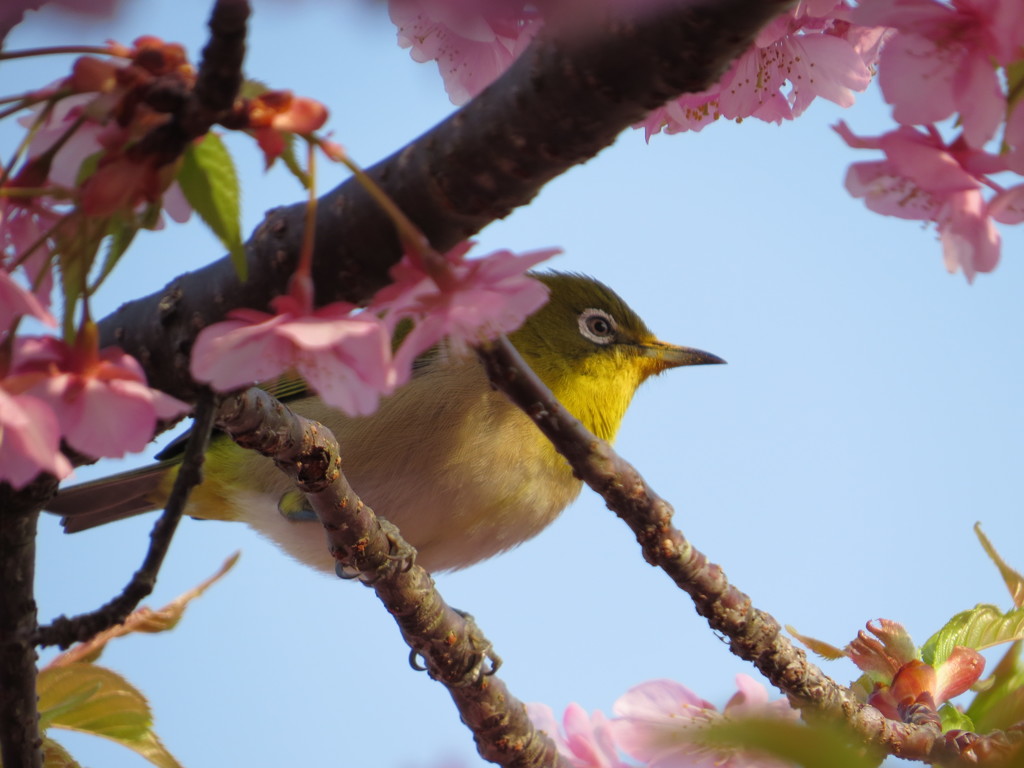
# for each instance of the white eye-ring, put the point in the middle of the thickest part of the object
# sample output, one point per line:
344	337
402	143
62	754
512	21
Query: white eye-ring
597	325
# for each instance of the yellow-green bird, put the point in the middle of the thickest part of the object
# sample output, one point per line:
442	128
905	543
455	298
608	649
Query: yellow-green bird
461	471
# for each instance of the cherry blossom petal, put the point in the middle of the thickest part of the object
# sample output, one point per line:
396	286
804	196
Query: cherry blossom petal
1008	206
240	352
970	240
15	301
29	440
345	357
958	673
102	403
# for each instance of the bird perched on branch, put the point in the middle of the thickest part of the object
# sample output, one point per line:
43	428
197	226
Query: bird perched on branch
461	471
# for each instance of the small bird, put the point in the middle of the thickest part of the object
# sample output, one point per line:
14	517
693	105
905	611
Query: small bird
461	471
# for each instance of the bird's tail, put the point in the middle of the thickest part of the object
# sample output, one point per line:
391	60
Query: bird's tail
112	498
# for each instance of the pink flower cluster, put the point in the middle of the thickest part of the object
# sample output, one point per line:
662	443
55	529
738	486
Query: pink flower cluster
97	401
345	352
472	41
947	60
657	723
814	48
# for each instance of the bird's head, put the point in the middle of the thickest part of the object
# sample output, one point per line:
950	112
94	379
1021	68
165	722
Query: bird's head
593	351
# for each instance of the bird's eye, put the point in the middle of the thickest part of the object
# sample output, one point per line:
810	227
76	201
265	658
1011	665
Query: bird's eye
597	325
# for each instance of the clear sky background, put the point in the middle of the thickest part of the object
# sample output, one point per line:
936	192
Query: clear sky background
870	413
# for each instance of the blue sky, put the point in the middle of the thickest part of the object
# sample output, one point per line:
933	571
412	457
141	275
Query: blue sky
869	415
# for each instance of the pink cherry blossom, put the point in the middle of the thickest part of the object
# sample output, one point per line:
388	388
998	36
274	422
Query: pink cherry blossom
941	59
471	42
481	298
29	439
585	742
102	403
925	178
657	722
345	355
814	48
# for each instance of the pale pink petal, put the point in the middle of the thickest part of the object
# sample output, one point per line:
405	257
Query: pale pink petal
889	193
752	80
1008	206
175	204
980	98
589	739
970	240
826	66
15	301
472	43
238	353
958	673
658	699
925	162
29	440
107	419
917	80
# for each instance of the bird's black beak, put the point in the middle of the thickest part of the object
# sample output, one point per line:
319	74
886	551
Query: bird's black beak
672	356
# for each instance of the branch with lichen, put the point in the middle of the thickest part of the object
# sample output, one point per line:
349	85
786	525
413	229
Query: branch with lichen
370	550
753	634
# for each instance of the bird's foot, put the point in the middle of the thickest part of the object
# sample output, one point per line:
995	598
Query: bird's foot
485	662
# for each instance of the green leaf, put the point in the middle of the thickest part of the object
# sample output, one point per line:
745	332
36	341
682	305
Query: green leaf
90	699
818	745
119	236
981	627
1013	579
252	88
1001	703
1015	81
88	167
208	179
954	719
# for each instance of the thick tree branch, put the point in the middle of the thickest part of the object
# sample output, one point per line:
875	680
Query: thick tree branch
753	634
563	101
19	720
371	550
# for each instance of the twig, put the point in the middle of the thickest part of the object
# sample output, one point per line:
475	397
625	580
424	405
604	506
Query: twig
753	634
216	87
371	550
64	631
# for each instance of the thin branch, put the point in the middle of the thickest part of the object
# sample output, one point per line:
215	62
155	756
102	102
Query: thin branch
369	549
213	95
753	634
64	631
